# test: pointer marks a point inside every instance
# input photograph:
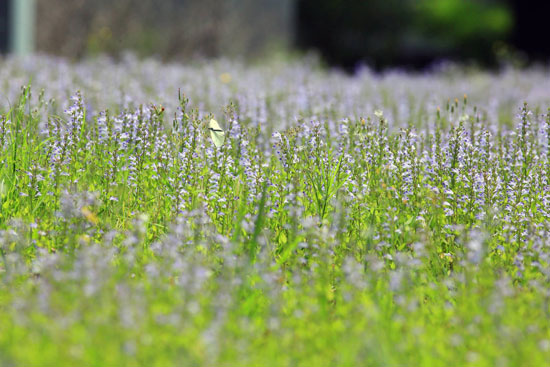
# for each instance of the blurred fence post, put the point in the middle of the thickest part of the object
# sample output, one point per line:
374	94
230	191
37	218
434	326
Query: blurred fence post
4	13
22	26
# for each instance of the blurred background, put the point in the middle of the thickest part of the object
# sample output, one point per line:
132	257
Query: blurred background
411	34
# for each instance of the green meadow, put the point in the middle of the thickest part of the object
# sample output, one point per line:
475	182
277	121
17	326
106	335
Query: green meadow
326	220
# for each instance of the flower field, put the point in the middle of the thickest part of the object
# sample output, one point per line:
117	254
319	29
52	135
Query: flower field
370	220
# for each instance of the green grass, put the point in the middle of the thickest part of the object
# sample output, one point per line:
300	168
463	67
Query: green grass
128	239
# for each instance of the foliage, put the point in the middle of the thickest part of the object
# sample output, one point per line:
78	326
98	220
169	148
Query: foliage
407	33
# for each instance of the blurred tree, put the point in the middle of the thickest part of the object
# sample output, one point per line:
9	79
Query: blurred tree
346	32
381	33
402	32
463	30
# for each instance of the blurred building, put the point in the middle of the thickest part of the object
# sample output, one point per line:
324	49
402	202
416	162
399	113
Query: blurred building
169	28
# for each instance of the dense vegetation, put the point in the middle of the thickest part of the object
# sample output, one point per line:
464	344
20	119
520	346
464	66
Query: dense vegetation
373	220
414	33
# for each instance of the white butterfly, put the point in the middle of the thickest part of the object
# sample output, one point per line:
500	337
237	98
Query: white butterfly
216	133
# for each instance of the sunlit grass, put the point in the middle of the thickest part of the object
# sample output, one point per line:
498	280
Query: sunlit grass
412	230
